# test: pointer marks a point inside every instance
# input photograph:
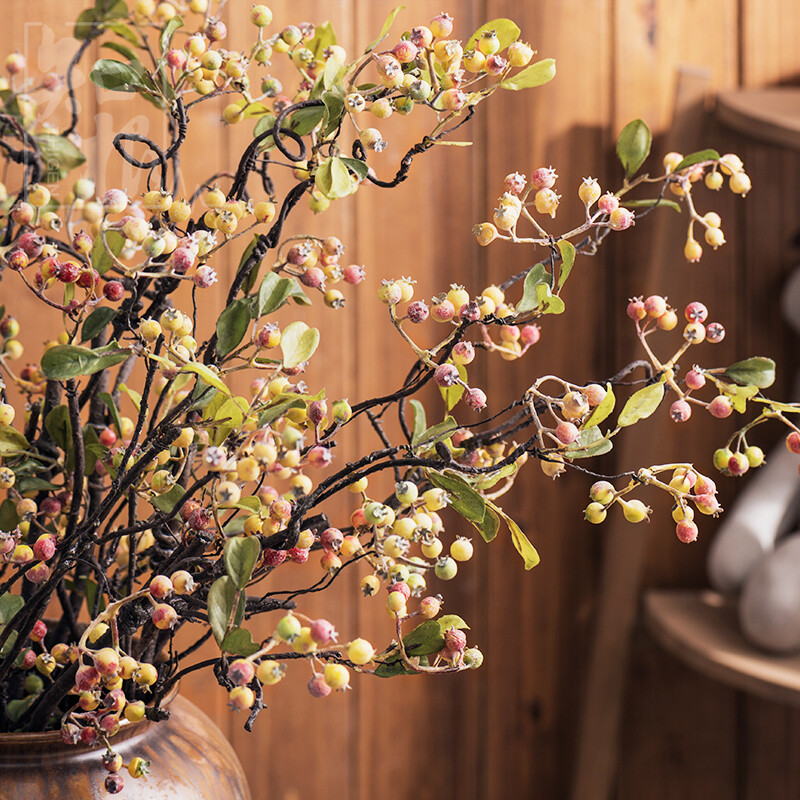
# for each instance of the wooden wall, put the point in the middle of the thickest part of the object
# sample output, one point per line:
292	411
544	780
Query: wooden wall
509	729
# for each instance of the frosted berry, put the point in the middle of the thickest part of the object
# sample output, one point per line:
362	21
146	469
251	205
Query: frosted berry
686	531
241	672
680	411
695	379
720	407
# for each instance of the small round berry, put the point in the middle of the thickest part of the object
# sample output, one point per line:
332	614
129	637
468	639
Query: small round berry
680	411
754	456
620	219
720	407
446	568
241	672
317	686
475	399
595	513
793	442
695	379
715	332
655	306
240	698
634	510
337	676
686	531
738	464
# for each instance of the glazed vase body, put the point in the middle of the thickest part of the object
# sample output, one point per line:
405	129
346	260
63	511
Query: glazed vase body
190	760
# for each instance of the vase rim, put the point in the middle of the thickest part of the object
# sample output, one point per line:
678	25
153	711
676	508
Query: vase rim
127	730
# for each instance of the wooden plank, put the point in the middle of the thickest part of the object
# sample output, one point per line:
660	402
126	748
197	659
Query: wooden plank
768	115
768	51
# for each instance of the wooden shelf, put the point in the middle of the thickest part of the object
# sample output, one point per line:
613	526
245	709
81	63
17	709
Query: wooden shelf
701	629
766	115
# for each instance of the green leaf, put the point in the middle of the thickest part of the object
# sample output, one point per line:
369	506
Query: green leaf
537	274
16	708
452	394
96	321
11	441
122	49
491	478
241	554
463	498
232	325
252	276
229	417
166	502
207	375
535	75
9	519
239	642
633	146
83	24
116	76
641	404
32	484
334	110
274	292
591	442
518	538
298	343
324	36
359	168
67	361
386	26
265	123
739	395
9	644
567	260
221	597
60	156
57	424
490	525
332	178
123	30
442	430
165	39
420	423
303	121
10	604
547	301
114	411
134	396
758	371
101	260
273	412
428	637
657	202
603	409
696	158
506	30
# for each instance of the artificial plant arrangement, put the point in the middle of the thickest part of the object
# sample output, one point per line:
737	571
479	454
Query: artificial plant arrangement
142	495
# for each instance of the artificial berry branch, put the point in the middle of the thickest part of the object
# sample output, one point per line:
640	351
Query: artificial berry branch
143	490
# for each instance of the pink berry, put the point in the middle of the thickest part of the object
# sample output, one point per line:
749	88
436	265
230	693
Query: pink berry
176	59
331	539
495	64
161	587
464	353
417	312
455	640
469	312
44	547
655	305
273	558
686	531
323	632
475	399
443	312
566	432
695	312
241	672
738	464
38	631
68	272
680	411
608	203
353	274
183	259
319	456
715	332
298	554
400	586
720	407
164	616
636	310
530	334
31	244
543	178
445	375
793	442
317	686
205	277
695	379
313	277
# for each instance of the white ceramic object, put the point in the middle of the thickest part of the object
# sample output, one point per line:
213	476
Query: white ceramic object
769	607
762	513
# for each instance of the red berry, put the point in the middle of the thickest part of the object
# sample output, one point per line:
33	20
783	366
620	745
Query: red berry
68	272
715	332
566	432
317	686
241	672
114	783
530	334
114	291
298	554
475	399
331	539
543	178
793	442
39	630
655	305
323	632
636	310
417	312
